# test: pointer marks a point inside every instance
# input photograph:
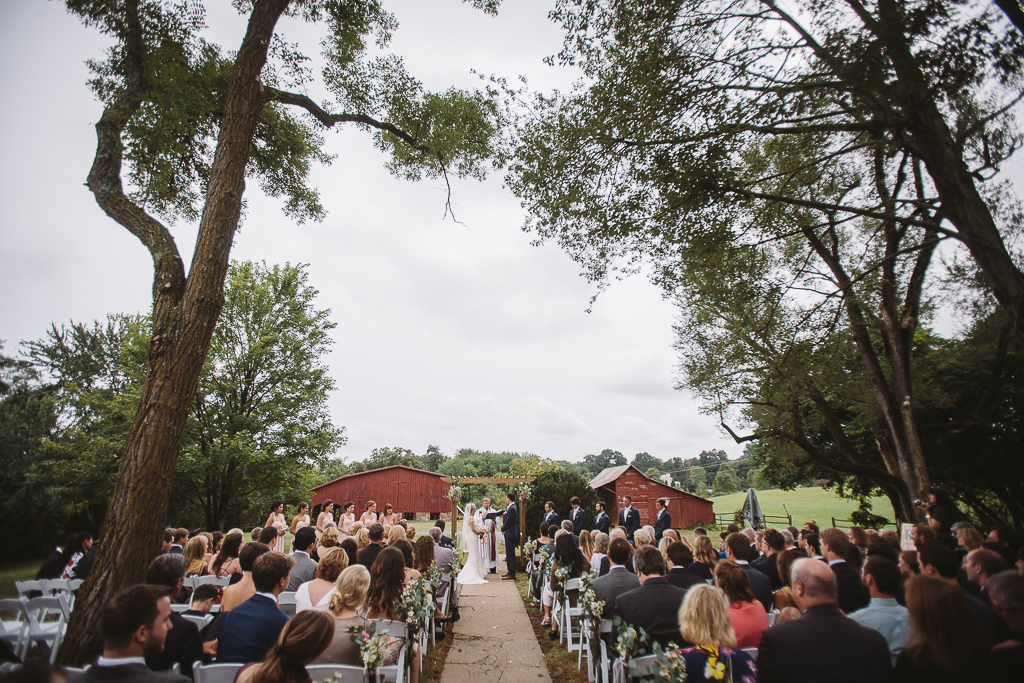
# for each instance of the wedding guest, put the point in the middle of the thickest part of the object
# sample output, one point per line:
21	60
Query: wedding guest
663	547
269	536
586	544
704	558
328	539
165	547
423	553
545	540
678	559
305	566
410	534
836	549
254	535
347	597
704	621
370	515
737	550
747	615
326	515
444	557
654	606
880	548
54	563
180	537
195	554
642	537
882	578
773	544
363	538
446	541
389	516
183	646
982	565
373	548
301	519
812	544
566	555
599	558
909	564
134	624
301	641
252	628
394	534
945	643
226	562
386	584
782	599
203	598
890	537
938	560
351	548
244	589
405	547
316	593
859	539
73	554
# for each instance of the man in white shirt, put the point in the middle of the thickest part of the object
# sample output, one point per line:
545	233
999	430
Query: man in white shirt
882	578
134	625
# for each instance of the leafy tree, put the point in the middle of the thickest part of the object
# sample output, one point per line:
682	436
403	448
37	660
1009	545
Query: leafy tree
557	486
388	457
433	459
530	465
645	462
607	458
191	124
726	480
653	473
333	468
763	162
698	479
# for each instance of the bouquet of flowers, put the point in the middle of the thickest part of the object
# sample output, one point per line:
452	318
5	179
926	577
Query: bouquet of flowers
673	665
434	576
454	493
631	642
590	606
373	646
558	585
416	607
456	564
523	491
529	548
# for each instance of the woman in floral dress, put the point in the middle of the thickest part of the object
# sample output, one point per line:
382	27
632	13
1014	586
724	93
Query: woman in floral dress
704	621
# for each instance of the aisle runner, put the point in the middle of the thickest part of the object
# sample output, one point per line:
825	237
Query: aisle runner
494	640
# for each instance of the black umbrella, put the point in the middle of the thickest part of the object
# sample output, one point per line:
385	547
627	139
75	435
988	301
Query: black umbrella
752	510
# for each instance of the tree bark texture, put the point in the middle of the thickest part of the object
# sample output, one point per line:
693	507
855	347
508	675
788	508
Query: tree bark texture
185	312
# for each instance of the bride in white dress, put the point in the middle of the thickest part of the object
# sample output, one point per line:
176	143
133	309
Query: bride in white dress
473	572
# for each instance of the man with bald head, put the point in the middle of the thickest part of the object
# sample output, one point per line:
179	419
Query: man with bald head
824	645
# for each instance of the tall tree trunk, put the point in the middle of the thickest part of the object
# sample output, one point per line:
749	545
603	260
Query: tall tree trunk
184	316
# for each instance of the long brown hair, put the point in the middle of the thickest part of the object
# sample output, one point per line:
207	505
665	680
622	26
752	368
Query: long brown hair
704	552
423	553
946	635
387	576
732	579
228	551
303	639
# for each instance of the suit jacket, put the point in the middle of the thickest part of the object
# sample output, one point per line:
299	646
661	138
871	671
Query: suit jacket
510	522
446	541
183	645
367	555
769	566
249	630
443	558
605	565
700	570
852	594
680	578
612	585
303	571
175	550
823	646
654	607
552	518
761	585
602	523
52	567
629	522
129	673
579	520
662	522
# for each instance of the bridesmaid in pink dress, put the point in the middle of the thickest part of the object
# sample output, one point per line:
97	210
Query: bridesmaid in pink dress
370	516
276	520
325	516
301	519
348	518
389	517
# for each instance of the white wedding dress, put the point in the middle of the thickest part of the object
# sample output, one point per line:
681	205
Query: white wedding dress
473	572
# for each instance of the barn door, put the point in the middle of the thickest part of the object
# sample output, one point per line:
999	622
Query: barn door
397	495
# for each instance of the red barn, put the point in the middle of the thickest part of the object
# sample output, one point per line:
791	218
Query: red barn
409	490
613	483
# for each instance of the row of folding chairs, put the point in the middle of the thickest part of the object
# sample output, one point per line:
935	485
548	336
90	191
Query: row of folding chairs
38	621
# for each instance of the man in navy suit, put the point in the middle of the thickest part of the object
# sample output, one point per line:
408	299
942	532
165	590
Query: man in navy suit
663	520
510	528
550	516
252	628
629	517
578	516
180	537
601	521
367	555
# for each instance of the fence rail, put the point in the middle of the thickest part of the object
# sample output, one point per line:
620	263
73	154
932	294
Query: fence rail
847	523
726	518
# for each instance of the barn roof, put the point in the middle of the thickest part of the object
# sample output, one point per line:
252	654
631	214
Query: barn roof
379	469
610	474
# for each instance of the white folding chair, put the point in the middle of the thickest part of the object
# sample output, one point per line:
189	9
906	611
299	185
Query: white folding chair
396	672
752	651
222	581
339	673
40	631
446	598
773	617
201	622
604	673
569	614
179	608
12	623
215	673
286	601
26	587
644	666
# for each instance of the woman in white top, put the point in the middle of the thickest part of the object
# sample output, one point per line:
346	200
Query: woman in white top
370	516
301	519
601	541
276	520
316	594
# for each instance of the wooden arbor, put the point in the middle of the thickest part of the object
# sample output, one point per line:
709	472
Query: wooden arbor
490	480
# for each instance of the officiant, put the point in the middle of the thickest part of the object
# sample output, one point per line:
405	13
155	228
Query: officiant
488	542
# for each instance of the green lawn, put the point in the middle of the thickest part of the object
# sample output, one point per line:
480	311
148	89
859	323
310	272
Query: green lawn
805	504
17	571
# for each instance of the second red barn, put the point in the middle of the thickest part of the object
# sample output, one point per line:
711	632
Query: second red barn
613	483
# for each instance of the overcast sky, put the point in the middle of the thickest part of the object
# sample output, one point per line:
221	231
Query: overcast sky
463	336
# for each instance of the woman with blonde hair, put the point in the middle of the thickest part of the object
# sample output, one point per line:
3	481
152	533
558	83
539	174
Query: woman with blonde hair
370	516
704	558
302	640
211	543
195	553
969	538
601	541
348	595
586	544
663	545
316	594
704	621
363	538
395	533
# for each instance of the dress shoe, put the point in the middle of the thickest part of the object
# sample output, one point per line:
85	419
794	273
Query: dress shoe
508	577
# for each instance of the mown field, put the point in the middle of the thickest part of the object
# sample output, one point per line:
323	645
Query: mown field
805	504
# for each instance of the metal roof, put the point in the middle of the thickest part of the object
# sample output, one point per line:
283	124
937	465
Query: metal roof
379	469
608	475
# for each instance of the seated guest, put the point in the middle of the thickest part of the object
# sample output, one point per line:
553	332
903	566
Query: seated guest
423	553
203	598
316	593
643	537
654	606
330	538
180	537
746	614
134	625
945	643
982	565
836	549
737	549
586	544
812	544
410	533
53	565
302	640
617	581
704	621
1006	590
363	538
567	527
252	628
444	558
446	541
348	596
782	599
679	558
704	557
244	589
182	644
351	548
405	546
305	566
566	555
73	553
755	552
168	540
880	548
269	535
195	553
367	556
882	579
387	577
394	534
909	564
890	537
858	538
599	558
823	645
938	560
226	561
774	543
790	534
547	537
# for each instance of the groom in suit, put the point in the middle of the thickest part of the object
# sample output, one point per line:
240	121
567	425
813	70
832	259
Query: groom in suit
629	517
510	528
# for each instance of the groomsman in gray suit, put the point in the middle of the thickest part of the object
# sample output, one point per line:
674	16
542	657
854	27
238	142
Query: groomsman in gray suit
305	566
